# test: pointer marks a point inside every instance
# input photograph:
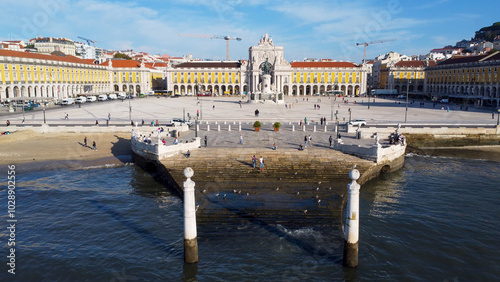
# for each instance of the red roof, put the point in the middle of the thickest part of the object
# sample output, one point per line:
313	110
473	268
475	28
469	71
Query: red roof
67	58
123	64
410	64
155	65
323	65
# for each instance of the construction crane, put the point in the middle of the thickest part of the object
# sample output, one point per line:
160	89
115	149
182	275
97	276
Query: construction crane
370	43
88	40
225	37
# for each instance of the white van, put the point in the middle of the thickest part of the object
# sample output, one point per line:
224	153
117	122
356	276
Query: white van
113	96
81	100
102	97
122	96
91	99
68	101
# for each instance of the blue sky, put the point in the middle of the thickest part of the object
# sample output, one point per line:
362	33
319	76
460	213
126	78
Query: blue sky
306	29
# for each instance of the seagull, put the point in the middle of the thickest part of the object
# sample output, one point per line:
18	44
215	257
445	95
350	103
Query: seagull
204	191
224	196
239	192
279	178
305	211
217	195
329	188
317	188
354	166
197	206
277	188
234	191
295	173
298	193
319	182
248	193
319	201
342	195
317	197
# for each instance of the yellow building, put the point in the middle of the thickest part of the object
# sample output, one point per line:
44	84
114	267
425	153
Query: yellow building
405	76
466	79
44	77
38	77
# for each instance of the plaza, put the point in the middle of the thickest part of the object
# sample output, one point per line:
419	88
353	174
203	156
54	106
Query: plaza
226	108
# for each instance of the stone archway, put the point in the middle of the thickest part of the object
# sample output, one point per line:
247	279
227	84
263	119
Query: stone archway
308	90
16	92
116	87
138	89
350	90
286	90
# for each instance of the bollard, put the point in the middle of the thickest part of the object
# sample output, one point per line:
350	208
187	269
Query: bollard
314	128
239	127
218	127
351	225
326	128
208	127
304	128
190	240
228	127
293	127
197	127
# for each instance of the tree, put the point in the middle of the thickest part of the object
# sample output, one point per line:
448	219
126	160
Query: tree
119	55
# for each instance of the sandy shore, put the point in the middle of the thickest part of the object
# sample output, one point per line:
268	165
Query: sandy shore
28	146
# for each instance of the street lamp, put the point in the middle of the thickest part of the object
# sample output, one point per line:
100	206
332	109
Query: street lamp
498	117
129	107
349	115
407	91
368	96
44	121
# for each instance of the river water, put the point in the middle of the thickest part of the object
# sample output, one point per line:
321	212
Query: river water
434	220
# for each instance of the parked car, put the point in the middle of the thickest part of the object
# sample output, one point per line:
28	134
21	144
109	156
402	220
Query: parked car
180	121
122	96
102	97
445	101
358	122
91	99
401	97
80	100
112	96
68	101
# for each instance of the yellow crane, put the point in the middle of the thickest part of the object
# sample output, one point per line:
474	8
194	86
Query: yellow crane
365	44
225	37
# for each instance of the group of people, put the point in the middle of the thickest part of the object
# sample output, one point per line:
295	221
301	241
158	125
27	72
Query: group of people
254	162
397	138
94	145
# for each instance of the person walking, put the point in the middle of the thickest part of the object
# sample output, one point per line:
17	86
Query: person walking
241	139
206	140
85	141
8	122
305	141
109	116
331	140
261	159
309	140
94	146
254	161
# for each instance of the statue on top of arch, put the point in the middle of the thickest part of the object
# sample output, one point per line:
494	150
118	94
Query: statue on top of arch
266	40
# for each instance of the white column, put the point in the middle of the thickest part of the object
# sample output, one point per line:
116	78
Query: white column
190	235
351	226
